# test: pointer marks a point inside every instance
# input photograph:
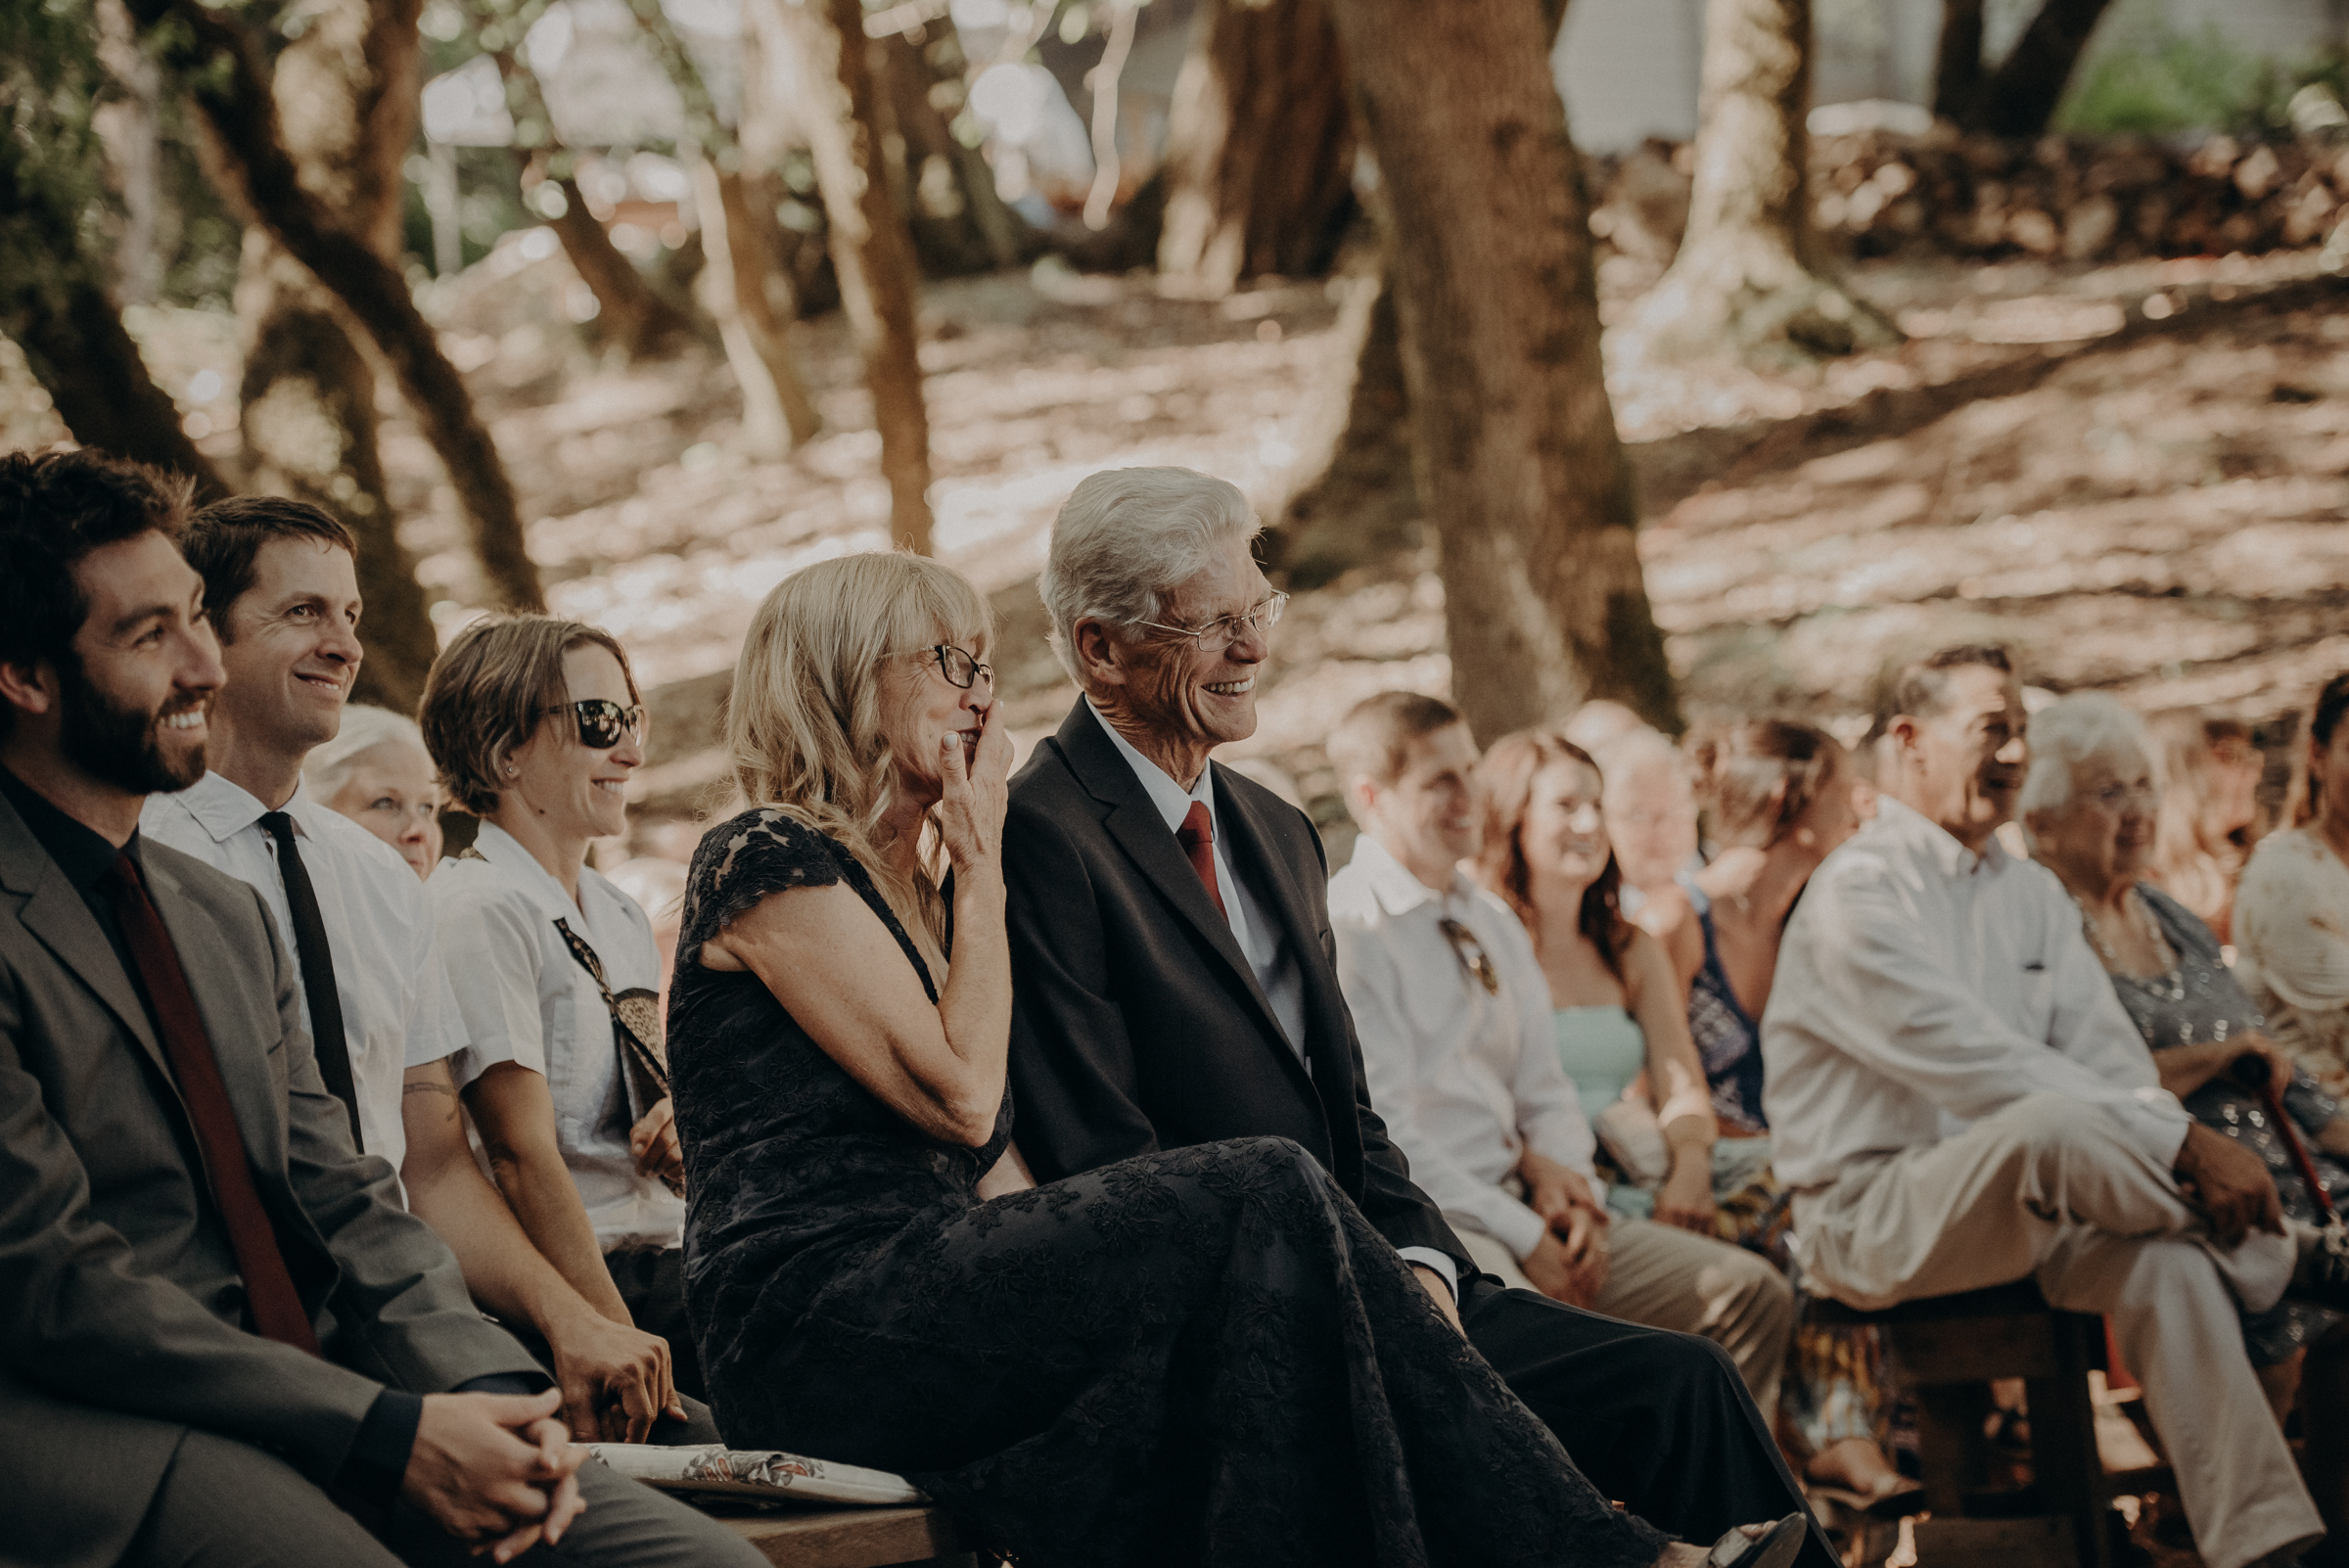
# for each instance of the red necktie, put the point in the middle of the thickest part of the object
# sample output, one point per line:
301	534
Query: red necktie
1197	835
269	1285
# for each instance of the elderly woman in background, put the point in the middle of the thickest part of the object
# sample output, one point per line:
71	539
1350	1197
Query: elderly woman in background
1651	822
2291	915
537	725
1201	1355
2089	807
377	773
2209	813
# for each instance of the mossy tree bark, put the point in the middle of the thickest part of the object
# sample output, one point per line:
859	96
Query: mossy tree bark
1259	155
223	69
820	45
1496	307
1747	282
346	96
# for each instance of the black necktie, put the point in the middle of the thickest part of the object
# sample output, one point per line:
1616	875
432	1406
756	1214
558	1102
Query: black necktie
317	971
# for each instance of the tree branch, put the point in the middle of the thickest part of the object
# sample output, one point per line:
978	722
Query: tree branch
222	66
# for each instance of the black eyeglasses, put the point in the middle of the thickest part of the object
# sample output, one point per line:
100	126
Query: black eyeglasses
960	668
602	722
1472	953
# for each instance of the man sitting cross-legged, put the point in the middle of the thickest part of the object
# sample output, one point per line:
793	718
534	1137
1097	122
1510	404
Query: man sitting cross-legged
1454	1012
1959	1100
1174	983
222	1339
281	593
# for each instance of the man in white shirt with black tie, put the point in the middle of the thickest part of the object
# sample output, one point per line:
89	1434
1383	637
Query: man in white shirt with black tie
281	589
1459	1049
1959	1100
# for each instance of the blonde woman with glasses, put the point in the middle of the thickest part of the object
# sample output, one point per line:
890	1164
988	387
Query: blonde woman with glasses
1198	1356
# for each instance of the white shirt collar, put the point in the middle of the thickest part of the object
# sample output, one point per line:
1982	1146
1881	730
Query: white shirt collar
1172	800
1395	887
1907	825
505	853
225	810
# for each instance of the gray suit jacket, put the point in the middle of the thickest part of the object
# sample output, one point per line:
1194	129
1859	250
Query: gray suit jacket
119	1306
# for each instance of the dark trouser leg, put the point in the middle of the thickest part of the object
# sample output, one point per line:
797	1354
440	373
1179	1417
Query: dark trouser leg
227	1504
652	1284
625	1525
1659	1422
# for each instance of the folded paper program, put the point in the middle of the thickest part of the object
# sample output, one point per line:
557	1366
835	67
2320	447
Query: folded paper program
758	1473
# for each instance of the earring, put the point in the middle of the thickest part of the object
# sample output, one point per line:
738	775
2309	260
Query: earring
511	771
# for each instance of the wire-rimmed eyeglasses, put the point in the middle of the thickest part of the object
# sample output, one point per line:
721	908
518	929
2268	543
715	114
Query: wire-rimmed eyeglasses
1472	953
960	668
1224	630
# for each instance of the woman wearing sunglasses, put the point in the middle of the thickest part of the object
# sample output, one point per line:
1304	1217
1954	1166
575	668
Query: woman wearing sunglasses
535	725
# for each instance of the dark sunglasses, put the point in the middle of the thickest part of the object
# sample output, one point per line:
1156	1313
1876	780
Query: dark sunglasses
1472	953
602	722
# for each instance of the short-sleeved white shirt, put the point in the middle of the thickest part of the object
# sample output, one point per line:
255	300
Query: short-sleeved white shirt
525	999
397	1011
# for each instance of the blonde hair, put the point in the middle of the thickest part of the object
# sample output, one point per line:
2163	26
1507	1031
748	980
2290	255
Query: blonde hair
489	691
327	768
805	723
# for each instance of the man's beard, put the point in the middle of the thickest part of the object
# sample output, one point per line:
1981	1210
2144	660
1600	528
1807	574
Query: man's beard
120	746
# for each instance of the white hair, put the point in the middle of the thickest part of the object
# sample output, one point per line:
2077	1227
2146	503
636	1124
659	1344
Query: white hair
329	767
2070	731
1127	536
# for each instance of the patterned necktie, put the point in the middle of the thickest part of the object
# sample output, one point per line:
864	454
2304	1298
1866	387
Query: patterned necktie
1197	835
269	1291
317	961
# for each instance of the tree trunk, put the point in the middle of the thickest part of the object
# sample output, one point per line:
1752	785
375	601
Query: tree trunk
1745	279
1365	504
1498	306
222	67
2021	96
1260	153
777	413
1957	61
78	351
871	252
346	94
945	190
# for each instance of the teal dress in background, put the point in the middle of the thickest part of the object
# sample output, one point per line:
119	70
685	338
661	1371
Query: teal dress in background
1835	1386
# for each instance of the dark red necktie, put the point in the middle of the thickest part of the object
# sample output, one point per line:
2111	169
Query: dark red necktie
268	1284
1197	835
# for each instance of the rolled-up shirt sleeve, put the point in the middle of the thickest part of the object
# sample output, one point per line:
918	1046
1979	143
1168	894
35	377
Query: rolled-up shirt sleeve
491	954
1889	1000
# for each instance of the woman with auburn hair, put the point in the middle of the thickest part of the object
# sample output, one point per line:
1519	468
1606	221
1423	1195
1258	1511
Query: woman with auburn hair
1201	1355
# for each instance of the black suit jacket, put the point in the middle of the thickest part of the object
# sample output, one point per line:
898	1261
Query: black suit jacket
1137	1021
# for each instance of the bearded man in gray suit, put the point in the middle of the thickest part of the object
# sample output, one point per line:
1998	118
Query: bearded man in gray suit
222	1337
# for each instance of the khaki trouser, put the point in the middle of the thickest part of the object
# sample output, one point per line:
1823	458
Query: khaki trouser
1669	1278
2052	1189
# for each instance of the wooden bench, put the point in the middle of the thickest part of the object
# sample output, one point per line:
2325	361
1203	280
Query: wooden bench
1947	1350
812	1536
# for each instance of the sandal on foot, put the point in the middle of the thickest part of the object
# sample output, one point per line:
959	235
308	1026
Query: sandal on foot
1774	1547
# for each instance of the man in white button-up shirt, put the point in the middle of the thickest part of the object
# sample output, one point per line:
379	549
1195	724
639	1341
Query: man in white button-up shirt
280	586
1958	1101
1454	1014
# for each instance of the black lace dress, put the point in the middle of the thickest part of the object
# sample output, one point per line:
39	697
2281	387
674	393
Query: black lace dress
1200	1357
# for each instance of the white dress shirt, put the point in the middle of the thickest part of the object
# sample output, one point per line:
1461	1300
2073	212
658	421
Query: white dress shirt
397	1011
1922	987
1261	939
525	999
1467	1079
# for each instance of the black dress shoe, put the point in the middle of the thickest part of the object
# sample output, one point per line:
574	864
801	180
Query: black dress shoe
1774	1547
2323	1276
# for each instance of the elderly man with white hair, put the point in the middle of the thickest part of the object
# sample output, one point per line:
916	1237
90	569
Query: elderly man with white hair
1958	1101
1174	983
